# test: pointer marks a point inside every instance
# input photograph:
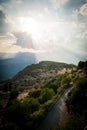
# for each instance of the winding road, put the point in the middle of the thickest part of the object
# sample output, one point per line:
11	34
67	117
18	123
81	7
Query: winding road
57	113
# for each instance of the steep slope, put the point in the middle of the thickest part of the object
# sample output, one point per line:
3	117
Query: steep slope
28	97
37	74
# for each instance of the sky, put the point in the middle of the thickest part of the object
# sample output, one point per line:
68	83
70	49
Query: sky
53	30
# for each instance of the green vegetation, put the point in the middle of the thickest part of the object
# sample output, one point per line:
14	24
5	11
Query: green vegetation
77	107
13	94
66	80
82	64
35	93
78	97
54	84
46	95
77	103
39	72
30	111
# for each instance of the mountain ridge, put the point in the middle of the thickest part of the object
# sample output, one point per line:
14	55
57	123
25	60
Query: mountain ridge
37	74
46	65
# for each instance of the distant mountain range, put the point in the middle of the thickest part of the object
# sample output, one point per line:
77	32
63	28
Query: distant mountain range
10	67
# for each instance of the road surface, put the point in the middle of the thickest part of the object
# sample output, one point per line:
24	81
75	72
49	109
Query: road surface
57	113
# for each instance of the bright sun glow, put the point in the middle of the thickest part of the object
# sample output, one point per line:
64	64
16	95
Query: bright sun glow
43	29
30	25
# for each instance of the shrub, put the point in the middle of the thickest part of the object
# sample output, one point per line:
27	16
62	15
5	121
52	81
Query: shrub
66	80
46	95
78	97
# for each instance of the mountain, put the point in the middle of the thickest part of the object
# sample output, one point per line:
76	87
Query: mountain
30	98
29	95
10	67
38	74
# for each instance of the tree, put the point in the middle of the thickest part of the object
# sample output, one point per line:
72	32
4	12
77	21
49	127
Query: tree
46	95
66	80
78	98
13	94
82	64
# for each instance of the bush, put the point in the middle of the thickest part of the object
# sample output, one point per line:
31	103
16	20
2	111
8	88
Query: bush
35	93
37	115
10	126
29	105
78	97
54	84
82	64
46	95
12	112
66	80
13	94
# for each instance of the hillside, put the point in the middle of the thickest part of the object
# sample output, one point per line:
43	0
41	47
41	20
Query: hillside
44	66
25	103
28	96
38	74
76	102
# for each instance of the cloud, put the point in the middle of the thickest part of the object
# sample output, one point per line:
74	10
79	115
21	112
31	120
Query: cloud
58	3
7	55
82	36
44	27
18	1
5	23
75	14
4	1
79	47
24	40
1	8
20	42
7	42
83	10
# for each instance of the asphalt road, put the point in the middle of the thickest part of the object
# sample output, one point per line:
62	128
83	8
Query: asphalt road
57	113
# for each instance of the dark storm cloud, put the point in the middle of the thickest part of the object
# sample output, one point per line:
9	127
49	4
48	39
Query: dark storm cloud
4	25
4	1
74	4
24	39
2	15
